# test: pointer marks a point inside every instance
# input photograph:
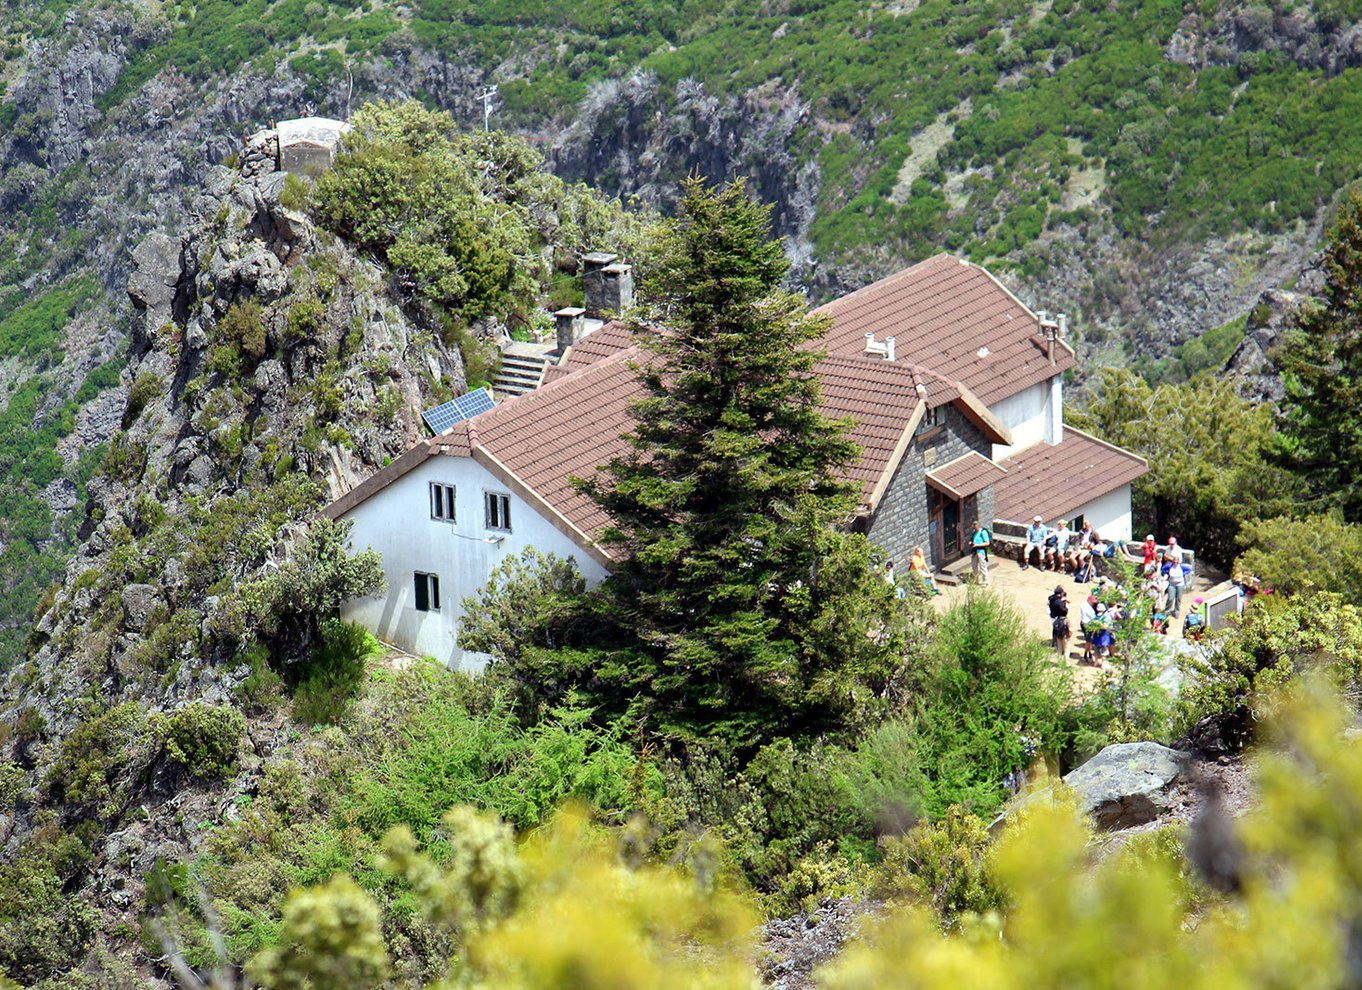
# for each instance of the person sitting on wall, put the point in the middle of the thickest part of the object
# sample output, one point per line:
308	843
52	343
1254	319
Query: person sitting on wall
917	564
1068	546
1049	554
1035	540
1058	552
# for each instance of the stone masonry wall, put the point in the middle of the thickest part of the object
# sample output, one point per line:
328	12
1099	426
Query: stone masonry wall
901	522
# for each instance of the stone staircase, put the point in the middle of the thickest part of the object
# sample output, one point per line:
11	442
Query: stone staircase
522	369
954	573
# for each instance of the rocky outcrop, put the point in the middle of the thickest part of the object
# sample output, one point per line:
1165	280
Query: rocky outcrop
268	371
1127	784
632	138
1253	365
1236	32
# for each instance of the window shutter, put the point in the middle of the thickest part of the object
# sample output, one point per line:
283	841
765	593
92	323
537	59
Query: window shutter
434	592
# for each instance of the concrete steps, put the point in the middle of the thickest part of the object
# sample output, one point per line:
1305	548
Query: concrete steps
519	373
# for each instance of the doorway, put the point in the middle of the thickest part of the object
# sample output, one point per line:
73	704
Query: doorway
943	523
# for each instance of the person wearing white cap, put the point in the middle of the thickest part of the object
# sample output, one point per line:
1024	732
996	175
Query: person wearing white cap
1035	540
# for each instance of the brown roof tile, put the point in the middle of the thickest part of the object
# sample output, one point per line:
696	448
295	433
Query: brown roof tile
610	339
941	312
1053	481
967	475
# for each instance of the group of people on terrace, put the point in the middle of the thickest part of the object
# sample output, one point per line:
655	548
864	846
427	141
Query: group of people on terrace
1060	548
1162	577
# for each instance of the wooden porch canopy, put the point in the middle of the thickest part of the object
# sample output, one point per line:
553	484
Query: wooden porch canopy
965	476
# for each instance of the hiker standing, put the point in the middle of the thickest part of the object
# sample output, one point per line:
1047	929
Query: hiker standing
980	543
1059	621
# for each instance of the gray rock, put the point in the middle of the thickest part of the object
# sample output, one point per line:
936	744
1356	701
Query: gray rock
139	601
1127	783
152	283
200	473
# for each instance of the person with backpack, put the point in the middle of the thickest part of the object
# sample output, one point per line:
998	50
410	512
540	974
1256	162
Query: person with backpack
980	543
1059	621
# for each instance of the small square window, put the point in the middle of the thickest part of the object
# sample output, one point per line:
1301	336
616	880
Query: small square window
441	502
498	511
427	592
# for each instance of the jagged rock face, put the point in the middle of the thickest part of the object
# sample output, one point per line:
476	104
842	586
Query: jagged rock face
1253	363
1311	39
270	370
634	140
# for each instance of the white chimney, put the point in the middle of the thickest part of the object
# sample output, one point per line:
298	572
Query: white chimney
1049	329
885	350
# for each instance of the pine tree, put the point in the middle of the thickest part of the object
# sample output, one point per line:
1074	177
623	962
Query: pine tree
1322	362
752	608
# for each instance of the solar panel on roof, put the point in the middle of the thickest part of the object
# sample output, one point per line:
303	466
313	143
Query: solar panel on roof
466	406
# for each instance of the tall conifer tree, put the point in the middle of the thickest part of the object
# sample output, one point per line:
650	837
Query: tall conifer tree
751	606
1323	365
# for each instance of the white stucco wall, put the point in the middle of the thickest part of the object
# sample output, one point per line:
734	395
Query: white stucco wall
1109	514
397	523
1032	415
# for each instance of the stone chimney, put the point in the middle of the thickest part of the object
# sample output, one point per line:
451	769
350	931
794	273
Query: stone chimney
569	326
609	284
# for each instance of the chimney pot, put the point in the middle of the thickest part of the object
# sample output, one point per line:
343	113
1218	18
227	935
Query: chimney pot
889	348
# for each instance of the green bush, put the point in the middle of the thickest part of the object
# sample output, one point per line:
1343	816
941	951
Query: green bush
1312	553
942	865
305	318
44	931
145	387
243	326
989	683
201	738
87	772
1278	638
324	683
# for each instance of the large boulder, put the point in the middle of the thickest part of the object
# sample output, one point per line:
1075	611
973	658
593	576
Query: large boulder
1127	783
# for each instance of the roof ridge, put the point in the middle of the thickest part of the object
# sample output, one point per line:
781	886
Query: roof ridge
891	278
1110	446
519	402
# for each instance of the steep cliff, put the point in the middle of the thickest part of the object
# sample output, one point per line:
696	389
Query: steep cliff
268	369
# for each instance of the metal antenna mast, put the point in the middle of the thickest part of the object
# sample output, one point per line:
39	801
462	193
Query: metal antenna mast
488	95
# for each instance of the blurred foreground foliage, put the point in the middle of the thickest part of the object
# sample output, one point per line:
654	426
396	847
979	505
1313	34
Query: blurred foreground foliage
569	905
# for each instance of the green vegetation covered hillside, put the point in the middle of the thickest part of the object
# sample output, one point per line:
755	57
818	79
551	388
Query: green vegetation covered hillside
968	126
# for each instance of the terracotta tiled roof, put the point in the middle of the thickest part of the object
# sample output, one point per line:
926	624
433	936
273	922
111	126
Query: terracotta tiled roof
609	339
967	475
577	422
563	430
1053	481
941	312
